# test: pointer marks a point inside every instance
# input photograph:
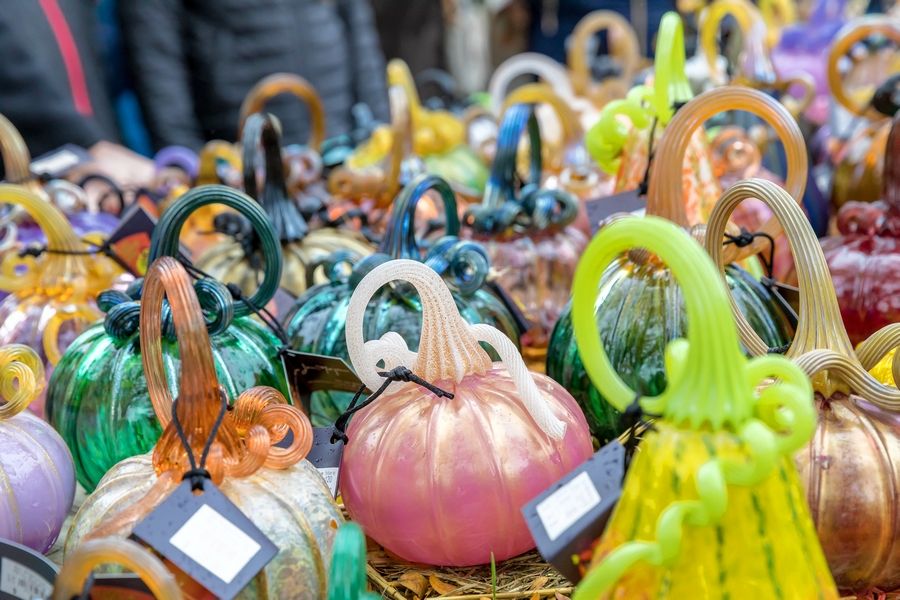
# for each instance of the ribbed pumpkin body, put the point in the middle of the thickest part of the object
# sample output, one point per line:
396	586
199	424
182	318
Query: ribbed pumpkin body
37	482
293	508
24	319
851	471
537	273
639	310
461	168
860	165
866	274
443	481
98	398
229	262
318	325
741	558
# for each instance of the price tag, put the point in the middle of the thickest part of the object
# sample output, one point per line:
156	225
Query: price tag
208	537
307	373
24	574
56	163
600	209
326	457
567	518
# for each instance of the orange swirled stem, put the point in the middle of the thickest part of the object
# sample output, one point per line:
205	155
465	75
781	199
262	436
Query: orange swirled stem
287	83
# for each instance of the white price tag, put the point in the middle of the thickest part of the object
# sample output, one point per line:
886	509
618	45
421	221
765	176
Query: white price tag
564	507
215	543
20	581
330	475
58	162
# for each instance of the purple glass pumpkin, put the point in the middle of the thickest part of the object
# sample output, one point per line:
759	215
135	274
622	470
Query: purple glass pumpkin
37	477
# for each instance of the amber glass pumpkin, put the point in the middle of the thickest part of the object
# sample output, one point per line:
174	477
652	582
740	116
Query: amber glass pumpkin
504	435
858	160
527	231
282	493
98	397
639	307
52	295
318	321
37	479
711	507
239	261
851	467
864	259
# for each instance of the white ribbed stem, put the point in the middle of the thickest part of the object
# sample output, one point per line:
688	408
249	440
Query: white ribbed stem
448	347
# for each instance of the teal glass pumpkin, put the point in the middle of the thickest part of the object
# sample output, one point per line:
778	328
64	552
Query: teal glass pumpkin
527	230
316	323
97	398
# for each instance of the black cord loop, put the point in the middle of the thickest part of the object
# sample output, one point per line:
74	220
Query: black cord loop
198	473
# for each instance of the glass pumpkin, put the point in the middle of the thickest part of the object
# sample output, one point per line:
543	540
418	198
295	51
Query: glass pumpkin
864	259
527	231
80	565
239	260
850	467
98	397
318	320
504	436
711	506
277	489
347	574
638	306
858	161
37	479
52	295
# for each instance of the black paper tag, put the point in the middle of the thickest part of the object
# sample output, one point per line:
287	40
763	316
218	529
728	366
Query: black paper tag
567	518
522	322
208	537
24	574
326	457
58	162
307	373
119	586
130	241
599	209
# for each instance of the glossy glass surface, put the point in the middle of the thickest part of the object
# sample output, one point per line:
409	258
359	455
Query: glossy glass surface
468	464
97	397
639	310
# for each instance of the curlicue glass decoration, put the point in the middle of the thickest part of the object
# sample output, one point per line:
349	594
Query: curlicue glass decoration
850	467
711	507
37	479
98	398
274	486
503	436
318	321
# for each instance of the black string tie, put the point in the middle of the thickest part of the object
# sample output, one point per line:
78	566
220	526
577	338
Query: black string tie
745	238
395	374
198	473
105	249
634	423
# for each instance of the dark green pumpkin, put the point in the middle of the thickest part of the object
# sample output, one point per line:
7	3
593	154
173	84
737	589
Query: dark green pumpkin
639	310
317	322
97	397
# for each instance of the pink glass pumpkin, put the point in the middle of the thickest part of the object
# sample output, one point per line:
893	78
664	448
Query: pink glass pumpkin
442	480
37	477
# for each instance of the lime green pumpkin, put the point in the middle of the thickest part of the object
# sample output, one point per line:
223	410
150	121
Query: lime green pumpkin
97	397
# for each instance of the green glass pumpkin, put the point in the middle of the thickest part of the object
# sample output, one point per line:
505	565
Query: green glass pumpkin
639	307
316	323
97	397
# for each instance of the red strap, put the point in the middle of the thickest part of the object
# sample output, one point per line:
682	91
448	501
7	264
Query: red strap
70	56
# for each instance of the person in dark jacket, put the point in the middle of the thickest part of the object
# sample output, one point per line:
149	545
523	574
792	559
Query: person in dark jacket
193	62
51	84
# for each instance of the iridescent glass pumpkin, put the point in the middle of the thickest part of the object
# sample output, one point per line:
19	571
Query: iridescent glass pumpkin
37	479
277	489
239	260
317	323
98	398
504	436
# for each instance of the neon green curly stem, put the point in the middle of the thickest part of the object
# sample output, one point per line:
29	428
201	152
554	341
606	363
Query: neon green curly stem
712	387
